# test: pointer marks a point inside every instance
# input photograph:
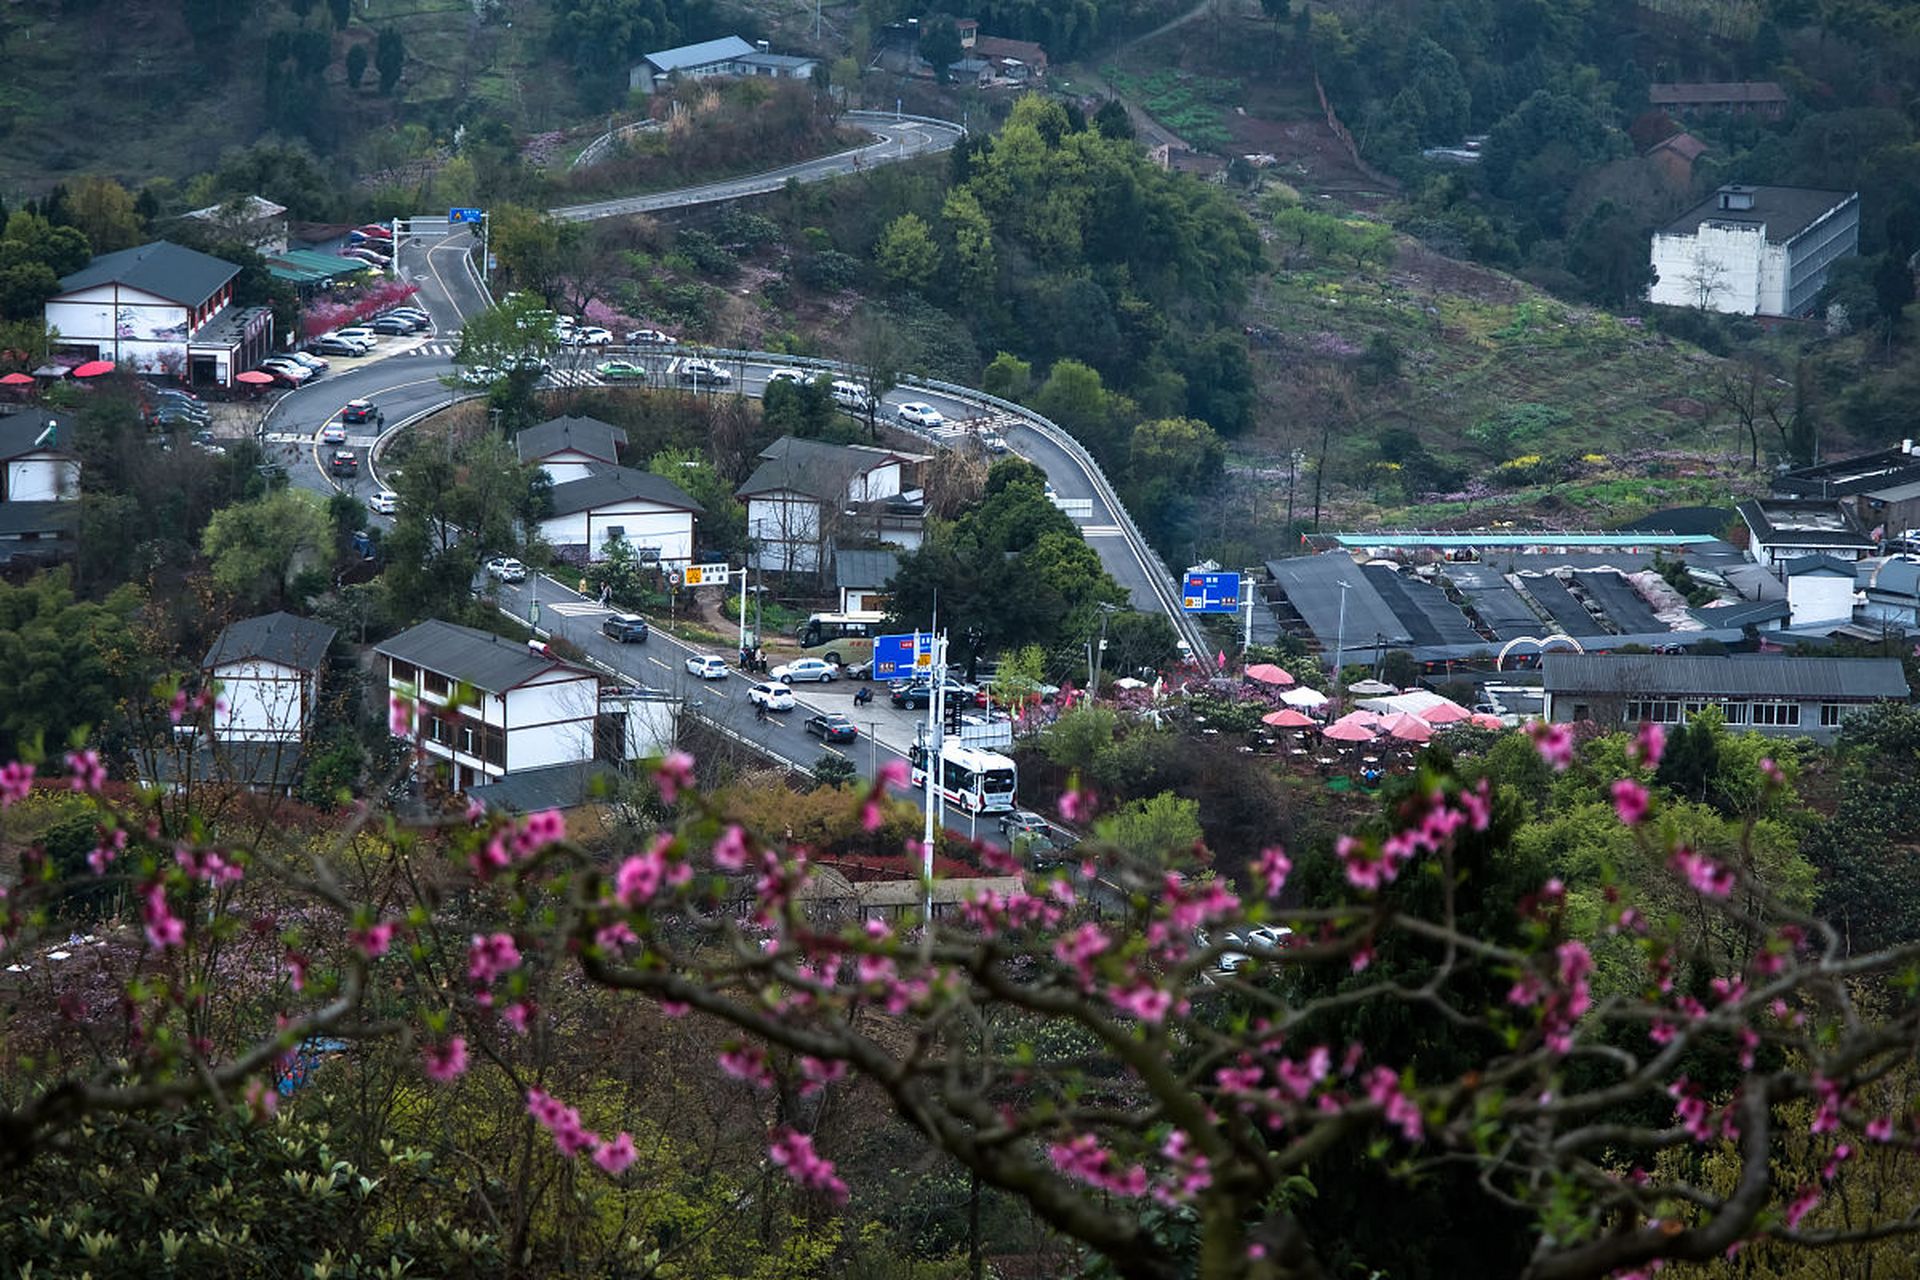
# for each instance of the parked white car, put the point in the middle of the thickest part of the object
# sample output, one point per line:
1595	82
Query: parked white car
356	334
774	697
918	413
386	502
649	338
506	569
707	666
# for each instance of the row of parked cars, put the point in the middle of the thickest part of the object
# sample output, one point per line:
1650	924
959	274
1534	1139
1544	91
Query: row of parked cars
358	340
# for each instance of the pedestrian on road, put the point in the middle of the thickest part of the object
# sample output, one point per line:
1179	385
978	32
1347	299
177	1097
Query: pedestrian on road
606	594
583	587
759	659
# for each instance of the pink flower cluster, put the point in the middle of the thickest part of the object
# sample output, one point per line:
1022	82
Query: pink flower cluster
573	1137
107	849
1084	1160
16	782
1384	1091
1370	867
1143	1000
164	929
446	1061
373	941
207	866
793	1152
1563	1002
643	875
1554	743
1629	802
1705	875
1271	869
533	833
489	955
673	775
85	772
748	1063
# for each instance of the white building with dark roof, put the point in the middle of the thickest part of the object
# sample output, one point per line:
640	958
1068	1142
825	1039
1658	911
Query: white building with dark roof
1772	694
36	462
268	671
804	492
1755	250
569	448
727	56
1780	530
650	513
489	706
160	308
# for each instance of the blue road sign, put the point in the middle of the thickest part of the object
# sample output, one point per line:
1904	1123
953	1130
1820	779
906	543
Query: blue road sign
902	657
465	215
1211	593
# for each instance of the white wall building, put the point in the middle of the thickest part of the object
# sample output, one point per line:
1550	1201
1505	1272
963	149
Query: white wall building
1755	250
652	514
804	493
727	56
521	709
268	671
161	308
569	448
35	463
1780	530
1819	589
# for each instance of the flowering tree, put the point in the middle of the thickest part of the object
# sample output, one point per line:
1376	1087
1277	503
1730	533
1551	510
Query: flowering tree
1114	1044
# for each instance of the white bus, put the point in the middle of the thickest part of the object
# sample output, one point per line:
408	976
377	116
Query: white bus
975	781
847	637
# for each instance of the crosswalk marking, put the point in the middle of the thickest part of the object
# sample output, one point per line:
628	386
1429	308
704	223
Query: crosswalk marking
1101	531
575	378
577	609
436	349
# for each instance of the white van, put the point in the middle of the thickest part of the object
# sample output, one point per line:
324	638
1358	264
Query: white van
851	396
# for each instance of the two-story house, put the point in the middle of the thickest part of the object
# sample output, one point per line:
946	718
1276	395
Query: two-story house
268	672
161	308
1772	694
650	513
1755	250
804	493
488	707
39	482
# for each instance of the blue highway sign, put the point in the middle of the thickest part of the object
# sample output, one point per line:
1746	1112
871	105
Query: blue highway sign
465	215
902	657
1211	593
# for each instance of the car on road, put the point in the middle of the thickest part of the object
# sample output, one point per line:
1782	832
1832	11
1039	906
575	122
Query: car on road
333	433
1023	822
917	694
771	695
861	670
335	345
650	338
395	326
517	364
506	569
169	393
375	231
918	413
814	669
1241	946
344	462
310	360
993	442
627	628
415	314
697	371
360	412
620	371
591	336
786	375
707	666
831	726
481	375
386	502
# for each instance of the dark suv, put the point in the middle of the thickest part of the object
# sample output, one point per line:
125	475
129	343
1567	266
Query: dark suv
360	411
345	462
918	694
627	628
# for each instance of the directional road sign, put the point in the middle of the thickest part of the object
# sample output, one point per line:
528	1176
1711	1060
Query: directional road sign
466	215
1211	593
708	575
902	657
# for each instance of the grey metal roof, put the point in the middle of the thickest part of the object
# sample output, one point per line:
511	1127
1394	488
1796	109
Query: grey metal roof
43	518
1424	610
603	486
162	268
1501	608
725	49
20	433
1745	613
1731	91
1743	676
1568	614
1803	522
1897	576
777	61
596	439
1864	473
1311	585
1785	212
1625	609
857	569
1800	566
557	786
823	471
479	658
284	638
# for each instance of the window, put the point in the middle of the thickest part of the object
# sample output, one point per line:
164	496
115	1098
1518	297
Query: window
1736	712
436	684
1777	714
1831	714
1658	711
404	672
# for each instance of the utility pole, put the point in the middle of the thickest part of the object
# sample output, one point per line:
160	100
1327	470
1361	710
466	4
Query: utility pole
1340	636
743	609
1100	653
933	761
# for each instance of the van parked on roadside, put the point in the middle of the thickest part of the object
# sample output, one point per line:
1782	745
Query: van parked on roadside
851	396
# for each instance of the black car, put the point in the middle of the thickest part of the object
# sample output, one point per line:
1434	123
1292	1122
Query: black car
345	462
627	628
919	693
831	726
396	326
360	411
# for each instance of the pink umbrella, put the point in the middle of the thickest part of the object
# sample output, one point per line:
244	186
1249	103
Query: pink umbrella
1445	712
1408	728
17	380
1347	731
1362	717
93	369
1287	718
254	378
1485	720
1267	673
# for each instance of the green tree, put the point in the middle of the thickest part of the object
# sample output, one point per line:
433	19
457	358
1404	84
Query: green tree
940	46
1113	121
64	662
1162	828
1075	397
976	266
804	409
356	65
257	548
103	211
389	58
1186	453
906	253
1007	376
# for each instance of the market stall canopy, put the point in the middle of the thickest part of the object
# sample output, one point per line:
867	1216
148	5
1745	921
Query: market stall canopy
1485	720
1445	711
1370	688
1267	673
1304	697
17	380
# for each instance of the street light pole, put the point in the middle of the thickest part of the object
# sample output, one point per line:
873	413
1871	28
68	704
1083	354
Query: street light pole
1100	654
1340	636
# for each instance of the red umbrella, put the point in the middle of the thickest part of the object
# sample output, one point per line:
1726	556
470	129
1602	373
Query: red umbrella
1408	728
17	380
254	378
1287	718
1267	673
93	369
1347	731
1482	720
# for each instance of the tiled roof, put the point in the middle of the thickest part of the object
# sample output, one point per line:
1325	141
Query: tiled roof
823	471
284	638
479	658
163	269
1760	676
590	436
859	569
1785	212
22	433
603	486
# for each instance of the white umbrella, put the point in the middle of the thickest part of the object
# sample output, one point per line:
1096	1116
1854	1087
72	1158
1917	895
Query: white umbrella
1304	697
